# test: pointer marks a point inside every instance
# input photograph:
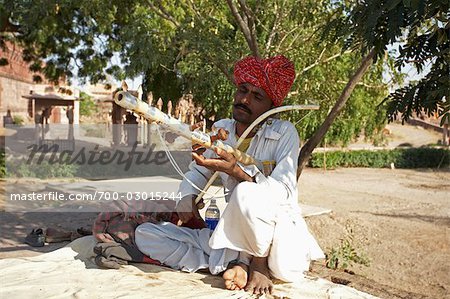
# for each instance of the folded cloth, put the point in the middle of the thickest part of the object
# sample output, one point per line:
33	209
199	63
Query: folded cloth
114	254
121	224
109	263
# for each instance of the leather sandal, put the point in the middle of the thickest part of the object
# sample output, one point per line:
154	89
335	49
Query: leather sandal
36	238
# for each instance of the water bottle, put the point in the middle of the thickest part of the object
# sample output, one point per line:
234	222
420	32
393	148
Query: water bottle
212	215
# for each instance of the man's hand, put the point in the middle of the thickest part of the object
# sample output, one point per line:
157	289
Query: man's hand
186	209
225	163
104	238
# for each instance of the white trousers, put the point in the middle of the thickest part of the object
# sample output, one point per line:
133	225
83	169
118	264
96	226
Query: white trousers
182	248
255	223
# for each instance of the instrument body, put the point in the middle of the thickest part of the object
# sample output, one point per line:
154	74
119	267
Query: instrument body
130	102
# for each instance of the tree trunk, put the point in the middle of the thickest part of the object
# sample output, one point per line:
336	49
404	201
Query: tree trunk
312	142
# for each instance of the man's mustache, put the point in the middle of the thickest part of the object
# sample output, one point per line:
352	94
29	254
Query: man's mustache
242	106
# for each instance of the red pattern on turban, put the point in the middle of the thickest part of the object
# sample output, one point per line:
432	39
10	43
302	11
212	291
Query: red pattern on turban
274	75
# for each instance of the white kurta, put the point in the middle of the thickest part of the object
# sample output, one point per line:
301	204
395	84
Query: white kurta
261	219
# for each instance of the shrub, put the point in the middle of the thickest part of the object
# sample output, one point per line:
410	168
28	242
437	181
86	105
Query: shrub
94	131
401	158
18	120
43	170
344	256
87	105
2	165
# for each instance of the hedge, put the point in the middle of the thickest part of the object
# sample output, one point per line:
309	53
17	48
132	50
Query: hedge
402	158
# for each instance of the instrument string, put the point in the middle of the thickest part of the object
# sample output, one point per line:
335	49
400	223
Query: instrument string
178	169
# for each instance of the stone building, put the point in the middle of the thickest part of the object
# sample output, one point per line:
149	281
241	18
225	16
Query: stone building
23	98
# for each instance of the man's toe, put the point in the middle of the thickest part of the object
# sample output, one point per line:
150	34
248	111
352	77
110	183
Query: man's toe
229	274
229	284
249	288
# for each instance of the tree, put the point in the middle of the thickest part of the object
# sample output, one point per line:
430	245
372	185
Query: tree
423	30
372	25
190	41
87	105
247	24
293	29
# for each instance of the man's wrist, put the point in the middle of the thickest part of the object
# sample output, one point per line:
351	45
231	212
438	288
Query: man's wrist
240	175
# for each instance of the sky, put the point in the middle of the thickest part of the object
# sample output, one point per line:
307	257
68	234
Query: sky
409	70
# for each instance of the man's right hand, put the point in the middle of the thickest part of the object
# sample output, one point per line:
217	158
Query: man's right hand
186	209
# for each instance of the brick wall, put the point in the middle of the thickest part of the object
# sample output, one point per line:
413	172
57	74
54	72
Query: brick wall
17	69
16	80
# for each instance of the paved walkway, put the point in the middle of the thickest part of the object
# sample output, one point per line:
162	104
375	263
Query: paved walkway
151	186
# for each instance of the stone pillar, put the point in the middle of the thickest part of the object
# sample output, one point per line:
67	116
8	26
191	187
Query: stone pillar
169	108
159	104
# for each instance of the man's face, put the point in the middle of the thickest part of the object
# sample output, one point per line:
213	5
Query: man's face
249	103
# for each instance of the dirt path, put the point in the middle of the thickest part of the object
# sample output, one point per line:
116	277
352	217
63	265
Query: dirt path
398	218
403	135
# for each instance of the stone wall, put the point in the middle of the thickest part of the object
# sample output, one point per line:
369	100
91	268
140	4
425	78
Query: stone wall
11	92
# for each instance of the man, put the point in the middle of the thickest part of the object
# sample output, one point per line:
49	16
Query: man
131	129
261	233
8	119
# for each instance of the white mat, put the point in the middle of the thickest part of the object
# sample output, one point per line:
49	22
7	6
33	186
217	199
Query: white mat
70	272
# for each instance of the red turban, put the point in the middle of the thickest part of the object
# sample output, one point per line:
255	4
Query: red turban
274	75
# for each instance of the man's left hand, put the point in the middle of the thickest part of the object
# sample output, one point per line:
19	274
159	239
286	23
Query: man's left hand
226	163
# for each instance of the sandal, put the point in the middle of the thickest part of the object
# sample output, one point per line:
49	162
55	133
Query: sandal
36	238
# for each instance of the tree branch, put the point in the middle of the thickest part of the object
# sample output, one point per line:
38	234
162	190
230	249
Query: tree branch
224	70
195	9
365	85
285	36
244	28
251	25
275	26
312	142
324	61
160	11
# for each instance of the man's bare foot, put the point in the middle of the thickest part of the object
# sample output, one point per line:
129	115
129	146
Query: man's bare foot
259	277
236	277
